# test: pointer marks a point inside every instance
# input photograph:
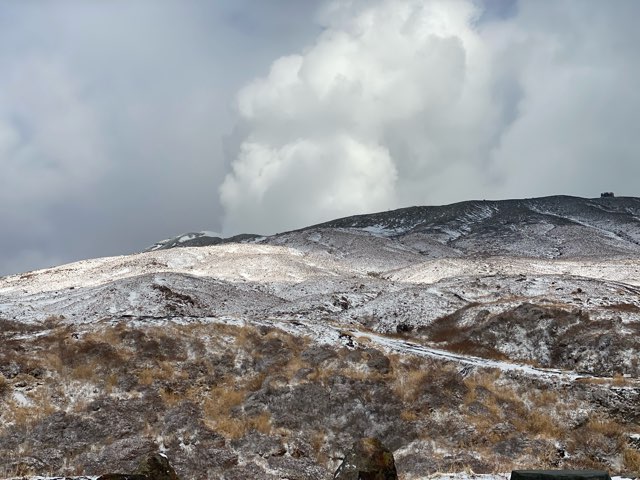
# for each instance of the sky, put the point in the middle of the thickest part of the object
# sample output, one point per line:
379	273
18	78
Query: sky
125	122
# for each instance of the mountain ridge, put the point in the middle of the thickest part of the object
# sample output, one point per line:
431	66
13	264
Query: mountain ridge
544	227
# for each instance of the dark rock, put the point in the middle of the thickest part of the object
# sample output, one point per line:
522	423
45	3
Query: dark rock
220	457
186	416
378	361
354	356
317	354
121	455
11	370
154	467
157	467
404	328
303	373
367	460
122	476
511	447
417	464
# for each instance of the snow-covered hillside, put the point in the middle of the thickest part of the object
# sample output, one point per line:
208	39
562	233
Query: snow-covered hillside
422	320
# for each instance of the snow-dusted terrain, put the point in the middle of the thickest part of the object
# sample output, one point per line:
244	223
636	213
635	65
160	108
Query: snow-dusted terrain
545	291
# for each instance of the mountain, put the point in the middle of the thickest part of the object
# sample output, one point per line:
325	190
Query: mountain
198	239
485	335
549	227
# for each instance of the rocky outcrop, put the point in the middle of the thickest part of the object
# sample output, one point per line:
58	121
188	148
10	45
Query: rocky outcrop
154	467
367	460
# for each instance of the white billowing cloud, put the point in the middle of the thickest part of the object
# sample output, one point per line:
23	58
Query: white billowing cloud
535	100
360	175
391	93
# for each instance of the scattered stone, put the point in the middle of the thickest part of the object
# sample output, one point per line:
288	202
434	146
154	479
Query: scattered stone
367	460
257	443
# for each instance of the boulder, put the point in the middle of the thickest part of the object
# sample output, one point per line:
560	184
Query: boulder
368	459
154	467
121	476
157	467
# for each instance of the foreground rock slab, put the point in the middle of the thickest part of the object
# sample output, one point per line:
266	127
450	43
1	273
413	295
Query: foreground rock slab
154	467
368	459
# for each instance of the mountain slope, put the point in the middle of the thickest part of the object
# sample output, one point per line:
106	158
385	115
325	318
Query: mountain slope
483	335
549	227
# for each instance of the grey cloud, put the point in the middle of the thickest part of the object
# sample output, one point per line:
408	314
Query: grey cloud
112	116
578	112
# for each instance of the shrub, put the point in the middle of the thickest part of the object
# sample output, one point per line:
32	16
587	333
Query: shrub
4	387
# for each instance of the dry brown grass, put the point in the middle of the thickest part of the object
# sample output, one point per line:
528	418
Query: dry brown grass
84	371
231	428
631	459
294	365
222	399
618	380
409	383
485	379
40	406
110	383
222	413
600	438
219	416
318	440
409	415
244	336
544	398
110	335
146	376
4	387
542	424
170	397
18	414
624	307
605	426
469	347
434	400
260	423
534	415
